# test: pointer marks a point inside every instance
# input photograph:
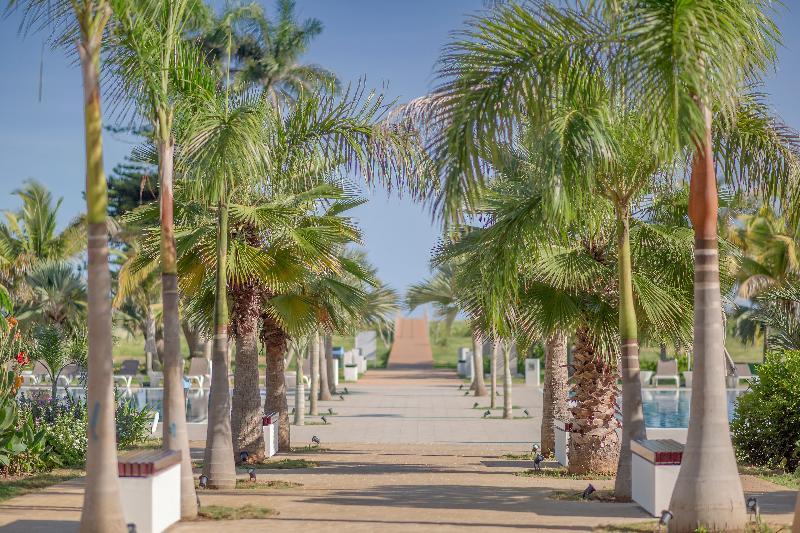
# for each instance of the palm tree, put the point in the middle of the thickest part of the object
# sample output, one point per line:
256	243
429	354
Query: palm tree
507	67
57	296
29	235
266	53
441	291
156	66
83	23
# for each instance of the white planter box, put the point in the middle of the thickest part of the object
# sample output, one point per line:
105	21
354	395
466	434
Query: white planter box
335	372
460	369
562	430
655	465
362	364
645	376
271	423
532	372
151	501
350	373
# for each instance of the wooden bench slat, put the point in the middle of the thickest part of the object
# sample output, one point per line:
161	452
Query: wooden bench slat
659	451
145	463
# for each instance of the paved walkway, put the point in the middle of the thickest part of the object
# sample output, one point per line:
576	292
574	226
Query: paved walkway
411	347
405	452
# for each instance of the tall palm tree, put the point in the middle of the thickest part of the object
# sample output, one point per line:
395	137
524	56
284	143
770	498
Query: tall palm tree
509	65
441	291
156	66
83	23
58	296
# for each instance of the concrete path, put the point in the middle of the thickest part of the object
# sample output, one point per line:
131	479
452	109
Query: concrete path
405	452
411	347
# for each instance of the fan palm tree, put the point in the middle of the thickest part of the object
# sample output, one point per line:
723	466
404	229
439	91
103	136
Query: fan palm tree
82	24
58	296
509	65
441	291
156	66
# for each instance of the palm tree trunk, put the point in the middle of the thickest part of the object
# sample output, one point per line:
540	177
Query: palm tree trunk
329	362
102	509
218	464
174	432
194	339
633	427
246	426
150	339
313	410
708	457
477	362
275	343
324	388
594	445
556	389
507	405
493	371
299	393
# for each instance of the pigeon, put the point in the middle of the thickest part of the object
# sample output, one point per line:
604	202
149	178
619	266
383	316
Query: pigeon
461	386
330	410
474	405
243	455
526	412
466	393
315	440
252	473
486	413
537	461
324	420
341	397
203	482
346	391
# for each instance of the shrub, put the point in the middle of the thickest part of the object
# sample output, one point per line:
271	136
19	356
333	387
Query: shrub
766	420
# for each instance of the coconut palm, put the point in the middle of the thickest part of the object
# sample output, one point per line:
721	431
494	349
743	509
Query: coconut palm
83	24
156	66
441	291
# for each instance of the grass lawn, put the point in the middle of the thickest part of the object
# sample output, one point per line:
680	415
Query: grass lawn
11	487
222	512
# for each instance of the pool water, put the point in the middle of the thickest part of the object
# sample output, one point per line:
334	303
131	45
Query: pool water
670	408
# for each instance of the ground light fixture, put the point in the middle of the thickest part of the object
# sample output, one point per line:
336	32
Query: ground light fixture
466	393
526	412
474	405
753	508
588	491
315	440
131	528
252	473
666	516
330	410
203	482
346	391
461	386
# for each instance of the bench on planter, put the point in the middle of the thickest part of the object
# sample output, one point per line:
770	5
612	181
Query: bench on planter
150	487
562	429
655	469
271	425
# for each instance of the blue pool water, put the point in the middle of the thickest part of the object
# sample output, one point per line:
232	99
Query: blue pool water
670	408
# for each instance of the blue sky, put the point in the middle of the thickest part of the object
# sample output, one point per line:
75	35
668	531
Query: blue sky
392	44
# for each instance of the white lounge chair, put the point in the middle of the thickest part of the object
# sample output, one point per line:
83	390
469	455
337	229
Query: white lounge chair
199	371
743	373
667	370
128	370
156	378
40	372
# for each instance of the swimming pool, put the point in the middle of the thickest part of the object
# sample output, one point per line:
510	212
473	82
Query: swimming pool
670	408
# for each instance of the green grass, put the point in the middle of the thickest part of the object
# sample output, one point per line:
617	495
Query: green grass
637	527
222	512
284	464
14	486
271	484
560	473
779	477
309	449
606	496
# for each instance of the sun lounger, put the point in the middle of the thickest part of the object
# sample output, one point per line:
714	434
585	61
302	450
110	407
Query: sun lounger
743	373
667	370
156	378
128	370
199	371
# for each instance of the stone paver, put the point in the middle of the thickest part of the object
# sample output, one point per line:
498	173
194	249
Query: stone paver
405	452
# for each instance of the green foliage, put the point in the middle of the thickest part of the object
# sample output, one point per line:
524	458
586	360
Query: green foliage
18	434
56	348
766	422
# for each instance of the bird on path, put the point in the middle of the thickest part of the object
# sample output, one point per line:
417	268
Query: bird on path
474	405
315	440
324	420
341	397
486	413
